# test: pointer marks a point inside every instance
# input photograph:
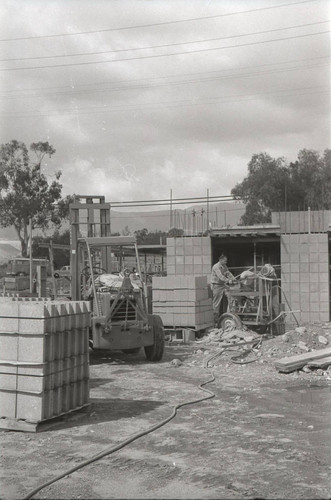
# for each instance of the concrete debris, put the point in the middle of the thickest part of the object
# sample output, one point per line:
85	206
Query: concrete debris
176	362
218	335
301	329
322	340
303	346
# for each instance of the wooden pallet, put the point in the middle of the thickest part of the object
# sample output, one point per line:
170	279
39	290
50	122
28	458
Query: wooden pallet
15	424
292	363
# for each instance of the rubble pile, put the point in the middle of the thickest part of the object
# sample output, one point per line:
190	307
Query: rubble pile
220	337
298	341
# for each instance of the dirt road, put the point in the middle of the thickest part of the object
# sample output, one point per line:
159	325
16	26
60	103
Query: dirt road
263	435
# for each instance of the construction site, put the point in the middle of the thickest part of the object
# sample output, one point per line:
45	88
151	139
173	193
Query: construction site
116	381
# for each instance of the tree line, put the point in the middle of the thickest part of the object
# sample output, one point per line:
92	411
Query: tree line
271	184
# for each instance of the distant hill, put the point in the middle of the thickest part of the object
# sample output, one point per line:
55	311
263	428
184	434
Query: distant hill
220	215
8	250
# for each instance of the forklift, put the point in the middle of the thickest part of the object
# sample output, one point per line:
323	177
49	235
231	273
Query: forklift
121	315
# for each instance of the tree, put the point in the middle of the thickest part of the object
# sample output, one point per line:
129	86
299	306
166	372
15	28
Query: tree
61	257
126	231
175	232
25	192
273	185
141	235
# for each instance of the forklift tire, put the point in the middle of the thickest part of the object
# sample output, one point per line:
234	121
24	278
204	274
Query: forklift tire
229	320
155	352
134	350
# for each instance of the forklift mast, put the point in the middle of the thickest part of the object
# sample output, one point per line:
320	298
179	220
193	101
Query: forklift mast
89	218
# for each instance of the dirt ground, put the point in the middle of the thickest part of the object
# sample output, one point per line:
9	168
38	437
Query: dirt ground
263	435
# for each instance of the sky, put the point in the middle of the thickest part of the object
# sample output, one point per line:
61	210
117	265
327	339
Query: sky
147	99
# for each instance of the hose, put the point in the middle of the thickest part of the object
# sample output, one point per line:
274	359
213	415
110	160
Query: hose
119	446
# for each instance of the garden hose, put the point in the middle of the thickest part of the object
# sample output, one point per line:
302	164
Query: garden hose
119	446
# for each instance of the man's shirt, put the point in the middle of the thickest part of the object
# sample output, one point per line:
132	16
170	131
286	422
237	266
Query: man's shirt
220	274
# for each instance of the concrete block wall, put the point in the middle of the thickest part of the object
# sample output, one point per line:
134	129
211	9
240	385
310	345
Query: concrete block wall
305	277
189	256
183	301
44	360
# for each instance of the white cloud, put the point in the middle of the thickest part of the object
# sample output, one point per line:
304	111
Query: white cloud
137	129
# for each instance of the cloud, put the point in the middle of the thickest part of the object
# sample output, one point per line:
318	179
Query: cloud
137	128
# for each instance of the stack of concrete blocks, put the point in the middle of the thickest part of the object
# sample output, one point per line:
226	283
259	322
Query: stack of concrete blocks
189	256
183	301
305	277
44	360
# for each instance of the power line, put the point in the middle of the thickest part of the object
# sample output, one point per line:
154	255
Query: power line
73	88
176	104
130	49
157	214
164	23
153	56
226	196
75	92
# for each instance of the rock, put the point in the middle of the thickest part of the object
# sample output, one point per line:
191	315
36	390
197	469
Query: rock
322	340
176	362
303	346
306	369
301	329
286	337
199	351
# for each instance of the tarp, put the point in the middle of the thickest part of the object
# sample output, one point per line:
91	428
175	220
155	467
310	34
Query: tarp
115	281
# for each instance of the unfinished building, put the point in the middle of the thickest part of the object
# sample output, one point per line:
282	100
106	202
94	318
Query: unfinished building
296	244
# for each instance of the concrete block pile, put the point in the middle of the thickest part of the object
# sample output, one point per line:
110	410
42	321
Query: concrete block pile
190	256
183	301
44	360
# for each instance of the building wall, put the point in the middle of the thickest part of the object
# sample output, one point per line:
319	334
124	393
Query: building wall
189	256
305	277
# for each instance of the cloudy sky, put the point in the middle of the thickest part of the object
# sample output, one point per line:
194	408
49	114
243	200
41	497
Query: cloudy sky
141	97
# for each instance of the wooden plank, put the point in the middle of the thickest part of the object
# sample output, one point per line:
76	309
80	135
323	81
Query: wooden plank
292	363
320	363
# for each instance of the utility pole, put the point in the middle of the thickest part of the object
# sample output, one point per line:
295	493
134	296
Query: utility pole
202	212
207	209
30	255
171	221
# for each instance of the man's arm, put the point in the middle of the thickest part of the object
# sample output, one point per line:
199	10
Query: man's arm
221	275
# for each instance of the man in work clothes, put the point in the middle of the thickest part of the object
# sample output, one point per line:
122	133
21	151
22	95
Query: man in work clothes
221	279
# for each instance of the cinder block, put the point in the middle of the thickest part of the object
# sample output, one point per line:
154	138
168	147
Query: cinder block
31	348
8	381
7	404
30	406
171	270
324	316
324	308
9	347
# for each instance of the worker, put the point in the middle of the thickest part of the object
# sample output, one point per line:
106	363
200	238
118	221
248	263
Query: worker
221	279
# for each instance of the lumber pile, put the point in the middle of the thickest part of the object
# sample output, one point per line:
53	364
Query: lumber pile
292	363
